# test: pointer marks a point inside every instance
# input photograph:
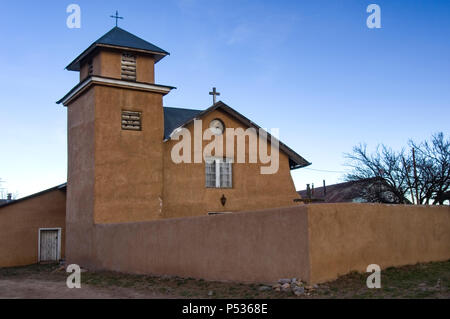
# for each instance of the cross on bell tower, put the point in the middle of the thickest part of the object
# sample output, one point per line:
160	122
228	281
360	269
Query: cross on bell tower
214	93
116	17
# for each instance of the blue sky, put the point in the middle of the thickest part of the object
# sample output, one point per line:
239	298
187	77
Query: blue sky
311	68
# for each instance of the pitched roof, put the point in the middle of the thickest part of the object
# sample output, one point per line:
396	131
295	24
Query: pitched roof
119	38
175	117
183	117
342	192
61	187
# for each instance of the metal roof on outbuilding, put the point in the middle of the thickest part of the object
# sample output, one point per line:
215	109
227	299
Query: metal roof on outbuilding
62	187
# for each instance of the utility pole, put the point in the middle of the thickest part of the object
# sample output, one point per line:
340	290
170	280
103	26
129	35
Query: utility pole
415	176
408	180
2	189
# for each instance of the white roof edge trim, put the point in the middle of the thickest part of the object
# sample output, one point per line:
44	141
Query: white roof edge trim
99	79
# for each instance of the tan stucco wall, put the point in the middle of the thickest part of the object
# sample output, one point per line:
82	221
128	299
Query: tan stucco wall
110	64
258	246
20	223
128	164
96	66
145	69
185	193
80	177
349	237
114	175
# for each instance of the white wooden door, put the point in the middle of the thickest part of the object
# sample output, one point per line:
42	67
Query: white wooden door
49	245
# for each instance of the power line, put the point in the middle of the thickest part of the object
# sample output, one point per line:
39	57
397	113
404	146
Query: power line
325	171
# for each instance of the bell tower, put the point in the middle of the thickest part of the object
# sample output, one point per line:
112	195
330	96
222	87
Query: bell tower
115	134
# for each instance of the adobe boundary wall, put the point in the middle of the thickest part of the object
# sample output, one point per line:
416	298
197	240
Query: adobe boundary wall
260	246
348	237
316	243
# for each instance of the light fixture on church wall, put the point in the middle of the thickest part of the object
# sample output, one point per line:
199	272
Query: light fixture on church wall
223	200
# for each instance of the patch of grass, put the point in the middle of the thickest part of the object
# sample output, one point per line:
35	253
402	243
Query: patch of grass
414	281
428	280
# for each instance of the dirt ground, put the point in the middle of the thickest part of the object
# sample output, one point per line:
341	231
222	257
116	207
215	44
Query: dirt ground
430	280
45	289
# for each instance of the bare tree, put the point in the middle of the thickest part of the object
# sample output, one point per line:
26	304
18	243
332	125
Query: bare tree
433	169
424	178
384	164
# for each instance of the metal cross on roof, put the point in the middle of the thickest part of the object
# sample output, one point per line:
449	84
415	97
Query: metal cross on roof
214	93
116	17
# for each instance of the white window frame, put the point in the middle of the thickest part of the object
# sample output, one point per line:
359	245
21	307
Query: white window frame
59	242
218	161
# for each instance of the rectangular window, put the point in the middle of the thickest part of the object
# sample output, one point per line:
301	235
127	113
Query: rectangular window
219	173
131	121
128	67
210	173
225	174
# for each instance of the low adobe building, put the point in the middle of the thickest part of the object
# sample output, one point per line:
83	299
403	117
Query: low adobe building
33	228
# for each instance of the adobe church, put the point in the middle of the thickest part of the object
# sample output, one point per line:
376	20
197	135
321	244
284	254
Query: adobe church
120	169
129	207
124	173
